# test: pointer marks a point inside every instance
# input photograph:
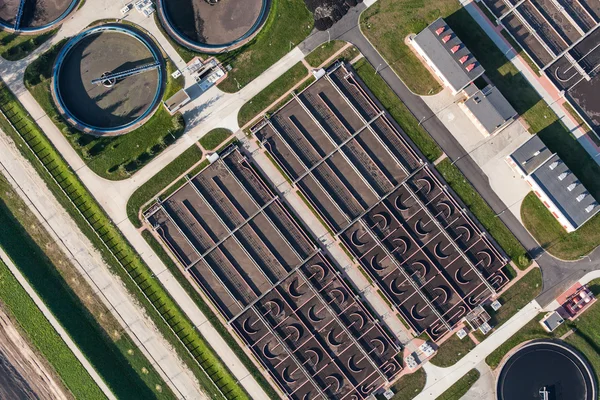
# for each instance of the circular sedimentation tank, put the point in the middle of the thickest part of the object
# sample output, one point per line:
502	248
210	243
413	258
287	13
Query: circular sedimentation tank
115	105
213	26
546	368
34	15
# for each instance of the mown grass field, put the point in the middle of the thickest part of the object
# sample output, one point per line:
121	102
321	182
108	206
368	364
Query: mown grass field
289	22
209	369
460	387
106	351
484	213
271	93
15	47
110	157
215	138
44	338
543	122
319	55
408	386
388	22
452	350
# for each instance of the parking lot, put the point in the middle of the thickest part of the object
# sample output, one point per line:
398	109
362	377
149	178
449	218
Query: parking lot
273	285
360	173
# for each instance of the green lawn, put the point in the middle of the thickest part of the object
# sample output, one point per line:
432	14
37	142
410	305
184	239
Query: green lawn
15	47
45	339
289	22
319	55
552	236
108	357
541	120
215	138
452	350
484	213
158	182
271	93
398	110
409	386
460	387
110	157
513	299
388	22
212	373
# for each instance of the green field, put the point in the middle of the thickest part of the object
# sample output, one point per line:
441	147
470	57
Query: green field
271	93
215	138
460	387
408	386
44	338
398	110
190	346
388	22
543	122
289	22
110	157
15	47
319	55
108	354
452	350
484	213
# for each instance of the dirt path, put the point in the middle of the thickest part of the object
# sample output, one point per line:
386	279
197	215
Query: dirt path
24	374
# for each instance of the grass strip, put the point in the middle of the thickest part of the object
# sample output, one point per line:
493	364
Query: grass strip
45	339
288	23
106	351
398	110
408	386
14	47
319	55
484	213
540	118
388	22
271	93
214	138
315	213
206	365
452	350
158	182
210	315
114	157
460	387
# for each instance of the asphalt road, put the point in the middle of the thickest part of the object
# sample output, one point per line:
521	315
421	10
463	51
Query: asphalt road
557	275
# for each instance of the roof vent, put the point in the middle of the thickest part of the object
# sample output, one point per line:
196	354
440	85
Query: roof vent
571	187
440	30
589	208
446	38
562	176
455	48
553	165
581	197
537	153
470	67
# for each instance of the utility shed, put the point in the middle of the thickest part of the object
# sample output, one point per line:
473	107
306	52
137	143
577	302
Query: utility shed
488	108
555	184
447	55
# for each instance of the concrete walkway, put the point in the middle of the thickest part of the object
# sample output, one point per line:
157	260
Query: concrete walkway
440	379
56	325
541	85
90	264
485	387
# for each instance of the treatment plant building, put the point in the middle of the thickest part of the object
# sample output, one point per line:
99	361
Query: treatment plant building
554	184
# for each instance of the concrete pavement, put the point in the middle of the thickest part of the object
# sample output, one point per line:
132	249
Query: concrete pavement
485	387
56	325
90	264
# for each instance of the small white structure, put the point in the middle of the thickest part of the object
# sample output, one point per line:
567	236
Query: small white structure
462	334
145	7
410	362
551	321
212	157
427	349
389	394
496	305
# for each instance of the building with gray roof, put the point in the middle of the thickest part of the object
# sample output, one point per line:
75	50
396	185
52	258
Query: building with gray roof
447	55
555	184
488	108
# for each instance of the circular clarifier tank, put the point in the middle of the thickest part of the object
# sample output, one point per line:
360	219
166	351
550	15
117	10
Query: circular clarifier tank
546	368
108	80
213	26
32	16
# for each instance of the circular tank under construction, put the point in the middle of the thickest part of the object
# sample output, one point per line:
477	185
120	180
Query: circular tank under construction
547	370
211	26
108	80
34	16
